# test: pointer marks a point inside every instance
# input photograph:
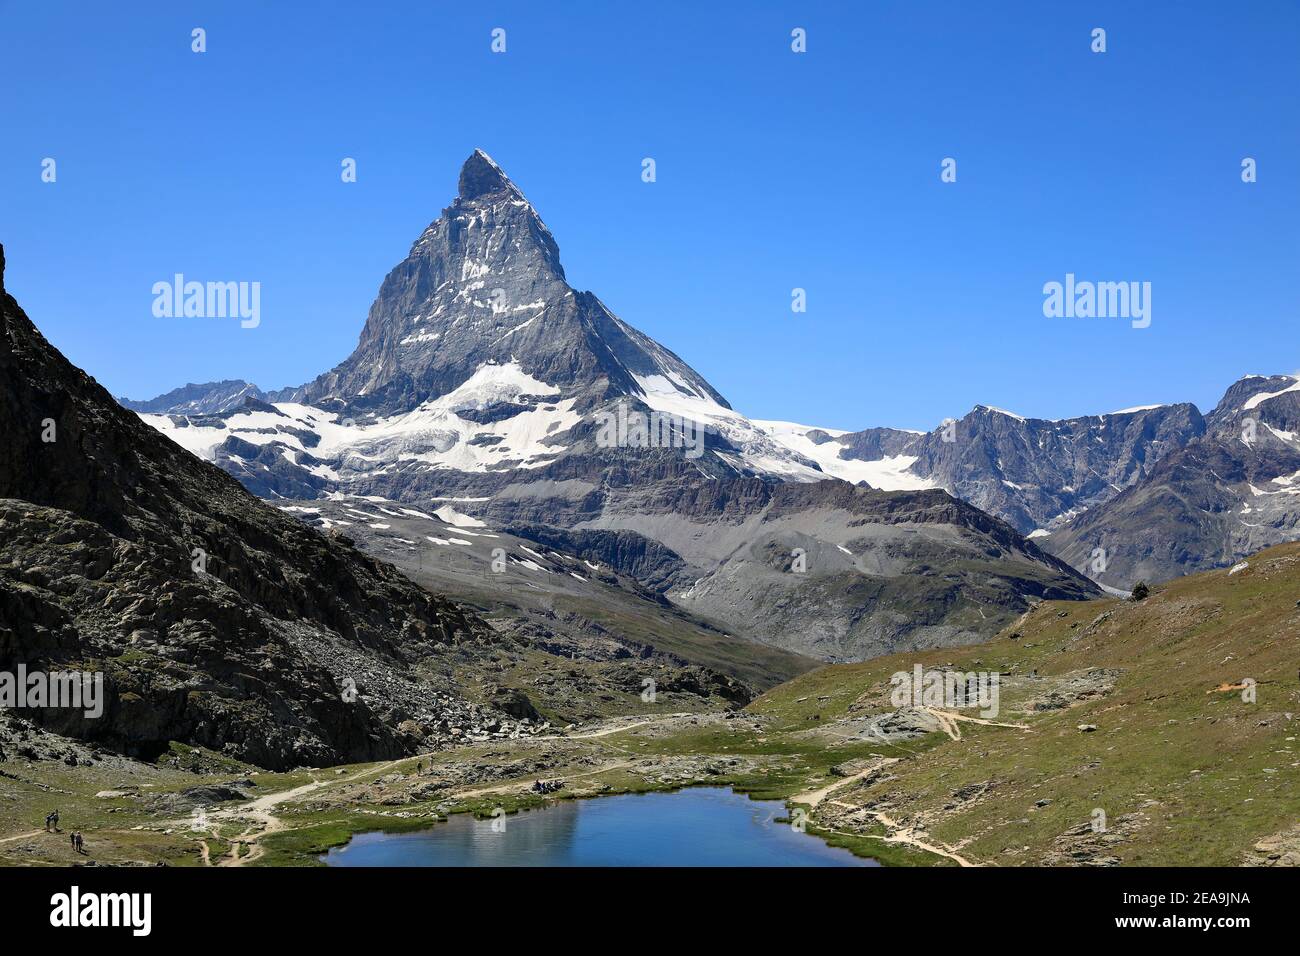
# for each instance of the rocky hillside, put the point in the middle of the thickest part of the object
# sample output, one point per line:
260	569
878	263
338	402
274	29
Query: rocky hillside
217	619
561	593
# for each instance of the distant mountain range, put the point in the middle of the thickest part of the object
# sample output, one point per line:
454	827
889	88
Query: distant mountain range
481	375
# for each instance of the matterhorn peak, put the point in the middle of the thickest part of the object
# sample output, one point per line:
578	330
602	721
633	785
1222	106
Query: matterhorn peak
481	176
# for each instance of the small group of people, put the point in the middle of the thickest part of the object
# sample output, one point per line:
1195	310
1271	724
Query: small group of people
75	838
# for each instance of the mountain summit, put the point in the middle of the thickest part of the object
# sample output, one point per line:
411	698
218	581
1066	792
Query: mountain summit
483	292
481	176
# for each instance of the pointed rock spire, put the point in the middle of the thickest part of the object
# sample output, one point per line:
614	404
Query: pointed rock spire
480	176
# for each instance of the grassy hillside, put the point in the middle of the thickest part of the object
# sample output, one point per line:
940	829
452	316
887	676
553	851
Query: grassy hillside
1184	772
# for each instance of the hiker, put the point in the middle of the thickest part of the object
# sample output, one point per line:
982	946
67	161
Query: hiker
80	844
72	839
52	821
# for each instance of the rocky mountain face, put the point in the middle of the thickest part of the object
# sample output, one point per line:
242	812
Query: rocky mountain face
1227	493
824	568
1038	474
484	380
1141	494
483	286
578	612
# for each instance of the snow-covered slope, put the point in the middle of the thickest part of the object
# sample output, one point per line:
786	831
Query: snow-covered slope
434	433
836	459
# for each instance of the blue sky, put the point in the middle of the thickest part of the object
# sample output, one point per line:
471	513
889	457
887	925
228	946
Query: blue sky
775	171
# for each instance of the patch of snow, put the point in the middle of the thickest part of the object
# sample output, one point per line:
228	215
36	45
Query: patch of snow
1003	411
888	474
451	516
1259	398
421	336
1135	408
